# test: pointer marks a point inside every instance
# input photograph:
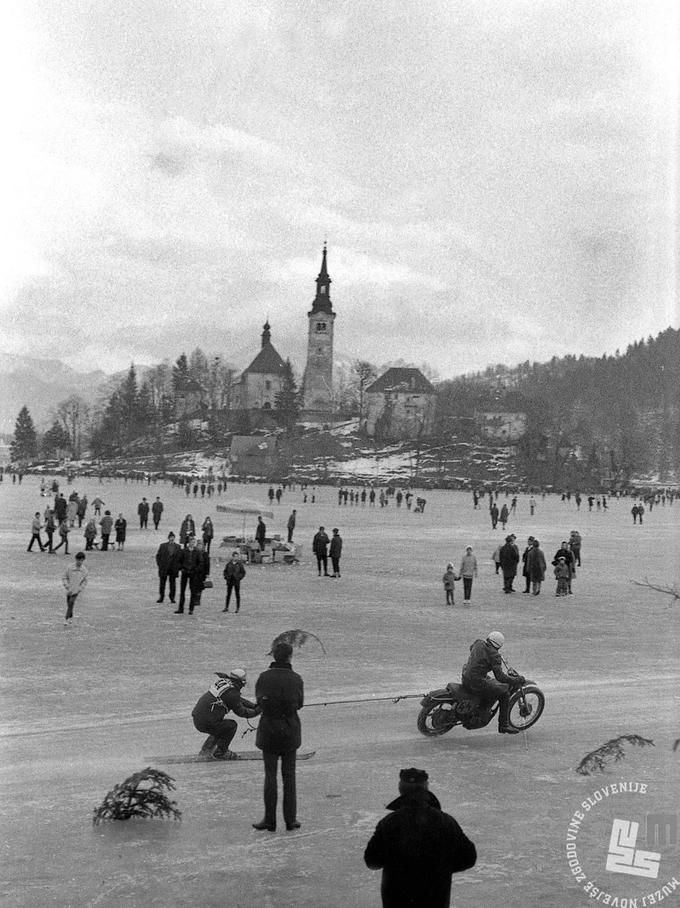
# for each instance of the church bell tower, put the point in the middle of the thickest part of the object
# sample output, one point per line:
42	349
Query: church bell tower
318	378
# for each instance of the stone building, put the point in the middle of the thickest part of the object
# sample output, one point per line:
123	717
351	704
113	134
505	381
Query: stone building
260	382
400	404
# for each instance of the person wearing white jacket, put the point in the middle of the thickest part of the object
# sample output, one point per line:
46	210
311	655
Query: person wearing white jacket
74	580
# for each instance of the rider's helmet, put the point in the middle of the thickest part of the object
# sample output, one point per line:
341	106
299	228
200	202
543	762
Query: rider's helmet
238	675
496	639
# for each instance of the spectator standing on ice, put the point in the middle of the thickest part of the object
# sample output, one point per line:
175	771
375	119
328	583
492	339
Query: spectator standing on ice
525	572
36	526
234	572
565	553
279	693
143	511
320	549
468	570
504	515
575	544
187	530
120	526
418	847
562	575
536	567
156	512
493	513
532	505
335	551
90	534
208	532
97	505
448	581
82	510
290	526
106	524
169	562
508	558
60	508
74	580
261	532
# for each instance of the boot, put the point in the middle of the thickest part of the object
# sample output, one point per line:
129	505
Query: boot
208	747
270	827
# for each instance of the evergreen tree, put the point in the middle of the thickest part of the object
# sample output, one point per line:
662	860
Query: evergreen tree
55	441
180	375
288	398
24	445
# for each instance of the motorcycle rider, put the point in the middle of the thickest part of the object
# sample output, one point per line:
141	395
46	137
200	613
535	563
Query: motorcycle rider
484	658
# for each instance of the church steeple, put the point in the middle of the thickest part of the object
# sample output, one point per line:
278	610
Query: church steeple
322	300
266	334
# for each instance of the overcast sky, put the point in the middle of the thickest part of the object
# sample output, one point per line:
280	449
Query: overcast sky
495	180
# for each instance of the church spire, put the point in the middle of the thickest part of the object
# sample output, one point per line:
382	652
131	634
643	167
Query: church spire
322	300
266	334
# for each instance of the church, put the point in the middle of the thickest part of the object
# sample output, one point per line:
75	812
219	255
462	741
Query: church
261	381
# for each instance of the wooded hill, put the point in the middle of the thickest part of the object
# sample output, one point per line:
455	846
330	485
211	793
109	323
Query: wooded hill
589	419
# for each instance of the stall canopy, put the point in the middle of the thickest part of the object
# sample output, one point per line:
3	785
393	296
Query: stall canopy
246	507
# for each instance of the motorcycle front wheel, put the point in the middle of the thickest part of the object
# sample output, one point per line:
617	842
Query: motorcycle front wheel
436	719
526	707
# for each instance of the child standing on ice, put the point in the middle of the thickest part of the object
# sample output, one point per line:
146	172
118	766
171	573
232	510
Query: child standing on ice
562	574
448	579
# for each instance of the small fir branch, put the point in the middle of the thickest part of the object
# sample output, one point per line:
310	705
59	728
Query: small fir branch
140	795
296	638
673	591
610	752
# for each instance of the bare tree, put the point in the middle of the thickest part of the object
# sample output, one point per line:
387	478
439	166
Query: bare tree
73	414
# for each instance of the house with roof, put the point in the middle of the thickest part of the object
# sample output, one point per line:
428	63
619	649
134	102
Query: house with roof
260	382
400	404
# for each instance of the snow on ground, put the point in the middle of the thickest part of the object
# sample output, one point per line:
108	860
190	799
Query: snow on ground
85	707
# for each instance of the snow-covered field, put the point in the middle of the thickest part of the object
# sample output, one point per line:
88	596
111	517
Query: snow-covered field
85	707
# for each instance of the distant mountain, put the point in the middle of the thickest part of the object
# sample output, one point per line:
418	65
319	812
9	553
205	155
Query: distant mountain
41	384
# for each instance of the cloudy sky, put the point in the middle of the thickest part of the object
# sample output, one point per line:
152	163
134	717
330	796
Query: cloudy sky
495	180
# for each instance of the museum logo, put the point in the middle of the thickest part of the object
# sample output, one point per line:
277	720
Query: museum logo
606	848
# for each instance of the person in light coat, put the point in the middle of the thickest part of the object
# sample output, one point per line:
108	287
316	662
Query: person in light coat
75	581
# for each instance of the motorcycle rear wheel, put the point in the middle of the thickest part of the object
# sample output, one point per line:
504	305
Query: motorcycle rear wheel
529	699
436	719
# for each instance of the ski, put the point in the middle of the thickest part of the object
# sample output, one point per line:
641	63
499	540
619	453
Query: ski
198	758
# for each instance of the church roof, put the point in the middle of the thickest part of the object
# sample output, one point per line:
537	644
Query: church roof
267	362
405	380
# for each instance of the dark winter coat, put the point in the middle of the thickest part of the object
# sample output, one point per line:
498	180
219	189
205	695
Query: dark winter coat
568	557
234	570
320	543
508	558
222	697
418	847
335	550
169	558
279	694
195	563
120	526
484	658
188	528
143	508
261	532
535	565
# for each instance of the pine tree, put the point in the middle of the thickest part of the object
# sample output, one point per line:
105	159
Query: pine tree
288	398
24	445
55	441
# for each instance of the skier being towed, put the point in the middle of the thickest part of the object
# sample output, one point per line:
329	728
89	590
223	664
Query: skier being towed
210	714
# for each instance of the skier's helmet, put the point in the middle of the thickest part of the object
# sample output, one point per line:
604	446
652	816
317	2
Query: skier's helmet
496	639
238	675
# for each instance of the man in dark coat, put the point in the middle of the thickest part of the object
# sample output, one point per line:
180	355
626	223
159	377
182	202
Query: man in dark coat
279	694
320	549
290	526
156	512
484	658
508	558
335	552
169	561
234	572
210	714
189	561
261	533
565	552
143	511
418	847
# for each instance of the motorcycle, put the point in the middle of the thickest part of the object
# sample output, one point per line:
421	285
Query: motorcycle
454	704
